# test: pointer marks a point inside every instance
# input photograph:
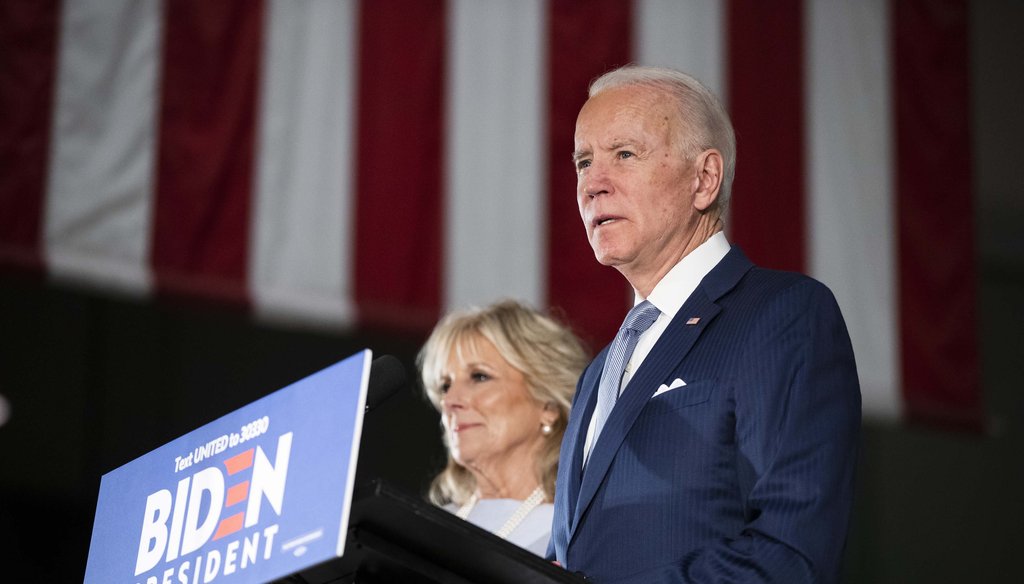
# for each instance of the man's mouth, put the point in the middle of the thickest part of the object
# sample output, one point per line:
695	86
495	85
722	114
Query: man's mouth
604	220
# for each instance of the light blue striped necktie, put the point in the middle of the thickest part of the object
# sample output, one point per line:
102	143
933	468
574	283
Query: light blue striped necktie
638	320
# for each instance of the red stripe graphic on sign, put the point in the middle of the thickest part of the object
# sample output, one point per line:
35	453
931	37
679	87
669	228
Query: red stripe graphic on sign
206	127
239	462
586	39
237	493
229	525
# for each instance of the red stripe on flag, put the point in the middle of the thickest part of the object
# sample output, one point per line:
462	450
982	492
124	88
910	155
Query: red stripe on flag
766	102
586	39
28	61
205	160
400	152
934	213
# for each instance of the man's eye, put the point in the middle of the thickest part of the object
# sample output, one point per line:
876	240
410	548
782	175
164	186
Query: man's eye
626	154
582	164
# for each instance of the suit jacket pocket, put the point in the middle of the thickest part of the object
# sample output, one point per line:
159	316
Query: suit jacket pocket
688	395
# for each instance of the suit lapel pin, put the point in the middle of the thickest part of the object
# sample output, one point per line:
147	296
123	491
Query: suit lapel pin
693	320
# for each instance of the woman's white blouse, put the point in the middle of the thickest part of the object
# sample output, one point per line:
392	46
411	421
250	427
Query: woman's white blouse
533	533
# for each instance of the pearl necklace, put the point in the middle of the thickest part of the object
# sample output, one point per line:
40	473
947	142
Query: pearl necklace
531	502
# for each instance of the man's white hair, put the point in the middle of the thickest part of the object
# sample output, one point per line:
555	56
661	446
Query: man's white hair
707	124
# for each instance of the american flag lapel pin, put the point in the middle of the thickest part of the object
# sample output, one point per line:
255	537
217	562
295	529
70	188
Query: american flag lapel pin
693	320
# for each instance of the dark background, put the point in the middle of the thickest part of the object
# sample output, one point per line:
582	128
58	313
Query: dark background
95	381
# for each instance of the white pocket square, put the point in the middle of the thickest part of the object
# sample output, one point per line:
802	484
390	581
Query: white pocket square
677	383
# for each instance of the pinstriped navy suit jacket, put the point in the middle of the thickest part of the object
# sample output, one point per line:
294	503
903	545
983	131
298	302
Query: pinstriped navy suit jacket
745	474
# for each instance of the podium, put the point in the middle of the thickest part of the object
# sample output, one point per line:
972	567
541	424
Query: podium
394	537
271	490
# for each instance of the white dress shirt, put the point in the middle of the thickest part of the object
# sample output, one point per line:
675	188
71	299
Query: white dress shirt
668	297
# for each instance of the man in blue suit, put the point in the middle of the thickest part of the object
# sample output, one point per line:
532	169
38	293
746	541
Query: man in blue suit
715	440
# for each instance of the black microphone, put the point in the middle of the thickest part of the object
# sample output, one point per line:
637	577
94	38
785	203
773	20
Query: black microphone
387	376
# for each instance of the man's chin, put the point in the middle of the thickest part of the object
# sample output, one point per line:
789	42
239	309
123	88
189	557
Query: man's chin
607	257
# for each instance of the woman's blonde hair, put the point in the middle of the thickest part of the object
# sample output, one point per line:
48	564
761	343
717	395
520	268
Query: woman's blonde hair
546	352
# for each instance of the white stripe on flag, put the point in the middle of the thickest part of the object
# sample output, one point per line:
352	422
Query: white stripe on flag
495	207
850	184
687	35
100	192
302	236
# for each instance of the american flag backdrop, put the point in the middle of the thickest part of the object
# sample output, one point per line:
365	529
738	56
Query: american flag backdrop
373	164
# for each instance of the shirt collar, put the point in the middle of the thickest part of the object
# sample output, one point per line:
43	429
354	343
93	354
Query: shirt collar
676	286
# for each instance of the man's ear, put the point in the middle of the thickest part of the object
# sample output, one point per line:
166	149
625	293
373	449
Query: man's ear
709	167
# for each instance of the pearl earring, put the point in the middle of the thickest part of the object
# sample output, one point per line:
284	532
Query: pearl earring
546	429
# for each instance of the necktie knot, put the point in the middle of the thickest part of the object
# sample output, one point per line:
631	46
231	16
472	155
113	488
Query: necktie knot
641	317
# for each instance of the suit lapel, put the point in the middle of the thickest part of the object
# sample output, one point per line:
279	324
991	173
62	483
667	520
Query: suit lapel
576	436
664	358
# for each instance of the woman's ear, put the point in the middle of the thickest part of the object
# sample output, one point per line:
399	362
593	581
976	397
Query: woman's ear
550	414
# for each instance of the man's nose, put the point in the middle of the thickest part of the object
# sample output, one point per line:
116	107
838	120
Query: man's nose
594	180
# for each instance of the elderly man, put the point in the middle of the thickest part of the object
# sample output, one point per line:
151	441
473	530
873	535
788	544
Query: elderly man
715	439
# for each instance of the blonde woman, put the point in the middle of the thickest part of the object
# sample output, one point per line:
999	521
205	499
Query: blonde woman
502	378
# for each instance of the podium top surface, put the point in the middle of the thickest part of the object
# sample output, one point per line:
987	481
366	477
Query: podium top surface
398	537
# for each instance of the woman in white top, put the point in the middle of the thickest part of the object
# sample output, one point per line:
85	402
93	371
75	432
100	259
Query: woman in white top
502	378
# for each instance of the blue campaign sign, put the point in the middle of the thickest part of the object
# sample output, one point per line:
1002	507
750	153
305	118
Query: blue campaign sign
253	496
